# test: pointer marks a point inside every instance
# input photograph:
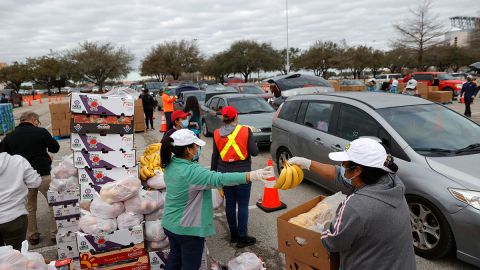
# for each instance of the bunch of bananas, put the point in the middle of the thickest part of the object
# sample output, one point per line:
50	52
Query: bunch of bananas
290	177
150	161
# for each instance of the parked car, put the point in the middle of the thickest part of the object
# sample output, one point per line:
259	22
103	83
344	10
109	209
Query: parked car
351	83
218	89
254	112
182	98
446	81
387	77
459	75
251	88
439	170
298	84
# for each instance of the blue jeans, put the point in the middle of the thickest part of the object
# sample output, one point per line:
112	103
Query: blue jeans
185	251
237	195
168	119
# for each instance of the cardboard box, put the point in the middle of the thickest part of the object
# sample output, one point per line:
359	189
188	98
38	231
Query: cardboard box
440	96
432	88
140	263
292	264
89	191
83	124
67	245
101	104
158	259
139	127
98	142
355	88
422	89
119	239
335	84
55	132
312	251
66	210
67	224
111	159
102	176
67	197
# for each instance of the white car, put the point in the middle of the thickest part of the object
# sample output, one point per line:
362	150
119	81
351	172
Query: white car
386	77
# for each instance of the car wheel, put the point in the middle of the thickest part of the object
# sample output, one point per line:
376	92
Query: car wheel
432	236
451	90
205	131
283	154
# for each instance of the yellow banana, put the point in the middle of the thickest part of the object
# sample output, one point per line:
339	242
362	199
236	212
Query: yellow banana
143	176
143	161
288	177
295	179
150	173
299	172
145	172
281	179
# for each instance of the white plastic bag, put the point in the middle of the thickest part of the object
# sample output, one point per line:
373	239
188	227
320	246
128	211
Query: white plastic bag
154	231
246	261
93	225
120	191
157	182
11	259
145	202
102	209
158	245
65	168
217	199
155	215
35	261
61	185
128	220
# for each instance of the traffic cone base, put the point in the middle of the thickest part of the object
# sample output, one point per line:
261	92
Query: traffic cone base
271	200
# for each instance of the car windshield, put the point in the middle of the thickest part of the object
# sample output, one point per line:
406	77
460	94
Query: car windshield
432	129
351	82
200	97
251	89
250	105
301	82
446	77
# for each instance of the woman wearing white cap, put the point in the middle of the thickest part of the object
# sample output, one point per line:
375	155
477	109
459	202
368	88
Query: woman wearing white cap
188	214
372	228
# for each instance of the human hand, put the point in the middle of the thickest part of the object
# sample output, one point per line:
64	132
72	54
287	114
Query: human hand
301	162
262	174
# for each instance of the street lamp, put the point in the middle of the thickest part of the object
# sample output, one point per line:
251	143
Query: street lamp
287	67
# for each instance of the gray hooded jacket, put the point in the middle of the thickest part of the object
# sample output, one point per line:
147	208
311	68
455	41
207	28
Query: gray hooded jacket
372	228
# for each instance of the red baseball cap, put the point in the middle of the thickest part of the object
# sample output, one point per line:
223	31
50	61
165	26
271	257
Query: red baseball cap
229	112
179	114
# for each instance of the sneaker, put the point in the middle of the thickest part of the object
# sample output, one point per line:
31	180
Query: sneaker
246	241
34	239
233	239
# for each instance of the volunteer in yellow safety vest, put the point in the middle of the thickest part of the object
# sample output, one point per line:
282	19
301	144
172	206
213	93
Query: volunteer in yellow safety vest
232	152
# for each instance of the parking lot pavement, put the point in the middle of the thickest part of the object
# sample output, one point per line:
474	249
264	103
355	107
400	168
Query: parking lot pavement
261	225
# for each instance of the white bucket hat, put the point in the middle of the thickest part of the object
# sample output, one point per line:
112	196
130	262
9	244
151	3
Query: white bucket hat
363	151
184	137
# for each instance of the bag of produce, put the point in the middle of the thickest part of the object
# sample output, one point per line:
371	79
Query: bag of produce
11	259
35	261
129	220
158	245
155	215
217	198
156	182
154	231
120	191
99	208
61	185
145	202
94	225
65	168
246	261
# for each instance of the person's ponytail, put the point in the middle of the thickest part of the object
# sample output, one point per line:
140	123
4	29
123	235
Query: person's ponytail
166	152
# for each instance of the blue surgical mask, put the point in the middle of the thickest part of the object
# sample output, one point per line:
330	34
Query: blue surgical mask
197	156
185	123
344	178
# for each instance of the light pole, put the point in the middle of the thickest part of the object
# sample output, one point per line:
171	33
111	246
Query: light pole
287	67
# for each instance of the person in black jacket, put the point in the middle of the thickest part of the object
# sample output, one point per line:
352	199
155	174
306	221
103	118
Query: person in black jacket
148	105
469	91
32	142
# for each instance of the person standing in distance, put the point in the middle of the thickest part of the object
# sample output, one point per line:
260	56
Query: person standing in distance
168	99
16	176
32	142
234	145
148	106
469	91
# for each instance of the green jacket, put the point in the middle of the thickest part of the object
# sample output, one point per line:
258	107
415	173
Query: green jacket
188	204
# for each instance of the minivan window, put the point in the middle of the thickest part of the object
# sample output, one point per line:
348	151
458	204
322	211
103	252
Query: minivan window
213	104
289	110
221	104
354	123
423	77
318	116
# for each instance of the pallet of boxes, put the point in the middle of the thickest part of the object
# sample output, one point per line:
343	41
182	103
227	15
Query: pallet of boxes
60	119
119	212
7	121
299	234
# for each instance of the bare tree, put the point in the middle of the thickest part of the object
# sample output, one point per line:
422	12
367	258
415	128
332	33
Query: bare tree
421	31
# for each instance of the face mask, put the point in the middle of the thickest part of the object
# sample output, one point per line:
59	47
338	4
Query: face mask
168	92
197	156
345	179
185	123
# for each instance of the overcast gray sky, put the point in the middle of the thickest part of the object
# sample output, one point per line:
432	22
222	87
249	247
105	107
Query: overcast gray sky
32	27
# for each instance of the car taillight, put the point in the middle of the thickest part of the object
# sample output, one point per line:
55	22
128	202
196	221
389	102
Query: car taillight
275	116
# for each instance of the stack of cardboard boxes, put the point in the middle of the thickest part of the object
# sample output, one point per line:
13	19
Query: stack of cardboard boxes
61	117
139	116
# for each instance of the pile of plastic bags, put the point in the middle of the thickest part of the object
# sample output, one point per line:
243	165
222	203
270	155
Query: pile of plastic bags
64	176
11	259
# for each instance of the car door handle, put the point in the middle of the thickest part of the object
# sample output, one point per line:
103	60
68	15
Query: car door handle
336	147
318	141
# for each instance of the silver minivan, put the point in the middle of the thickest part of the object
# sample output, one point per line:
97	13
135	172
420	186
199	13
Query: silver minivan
436	149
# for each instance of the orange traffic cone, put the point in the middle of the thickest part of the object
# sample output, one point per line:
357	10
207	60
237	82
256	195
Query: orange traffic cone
49	99
462	99
270	201
29	101
40	99
163	127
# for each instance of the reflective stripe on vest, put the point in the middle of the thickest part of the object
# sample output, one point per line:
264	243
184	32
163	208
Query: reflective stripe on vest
232	143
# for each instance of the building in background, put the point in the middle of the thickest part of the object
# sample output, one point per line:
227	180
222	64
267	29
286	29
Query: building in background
462	31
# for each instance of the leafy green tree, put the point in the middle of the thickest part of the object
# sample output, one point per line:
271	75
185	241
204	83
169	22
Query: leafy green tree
294	55
15	74
377	61
98	62
398	58
320	57
218	67
358	59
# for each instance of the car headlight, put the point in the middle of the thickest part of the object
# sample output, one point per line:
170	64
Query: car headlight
254	129
469	197
459	86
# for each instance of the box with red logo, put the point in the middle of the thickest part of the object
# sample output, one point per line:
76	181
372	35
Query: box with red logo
67	224
83	124
158	259
99	159
119	239
67	245
65	210
98	142
101	104
140	263
101	176
66	197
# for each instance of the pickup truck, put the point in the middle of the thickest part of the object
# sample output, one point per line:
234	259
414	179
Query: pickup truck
446	81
